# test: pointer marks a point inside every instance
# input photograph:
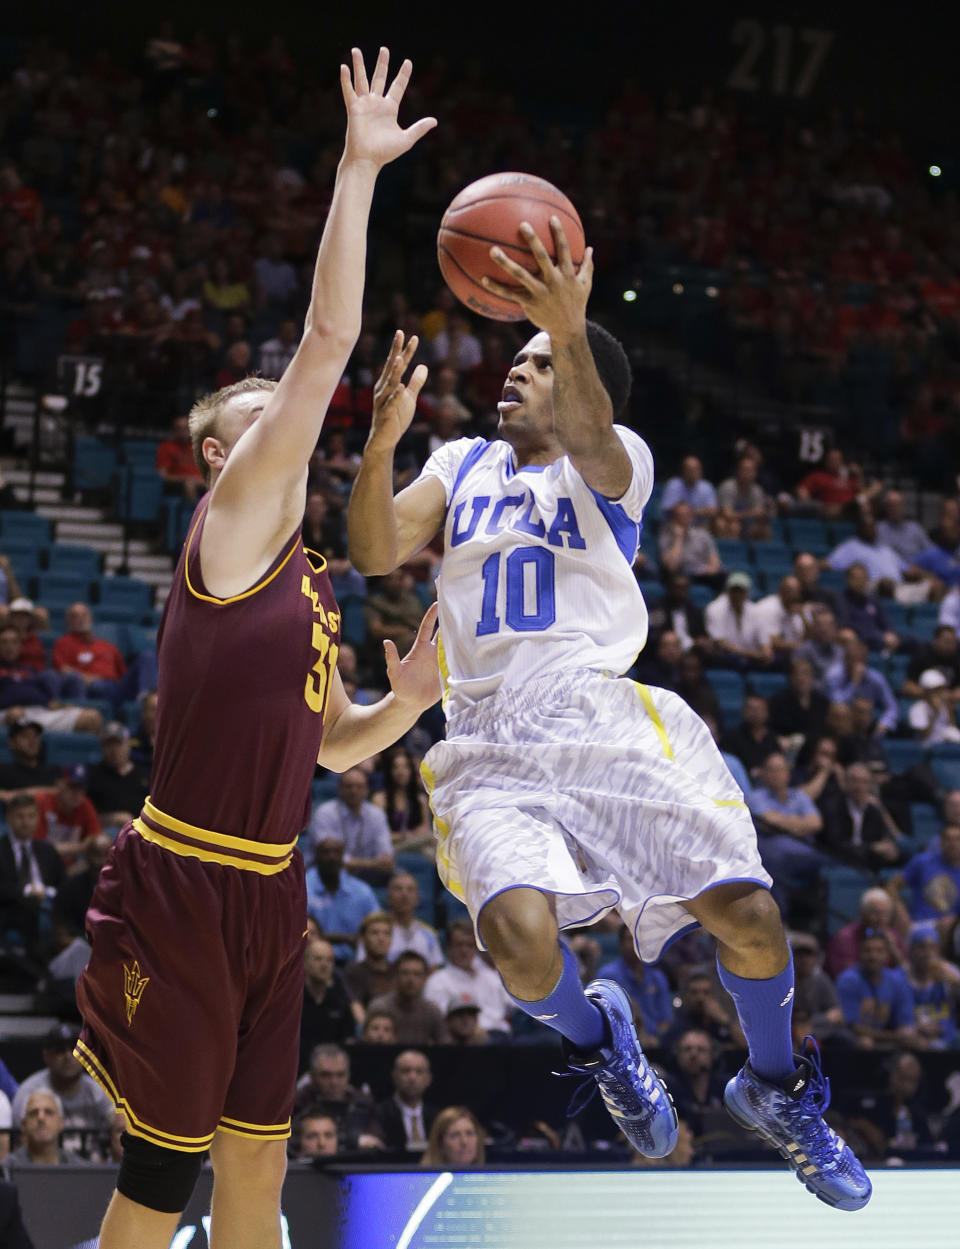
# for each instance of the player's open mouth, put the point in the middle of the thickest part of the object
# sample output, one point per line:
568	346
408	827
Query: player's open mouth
511	399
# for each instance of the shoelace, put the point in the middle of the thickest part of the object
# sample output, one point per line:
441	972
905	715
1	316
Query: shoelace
585	1092
808	1110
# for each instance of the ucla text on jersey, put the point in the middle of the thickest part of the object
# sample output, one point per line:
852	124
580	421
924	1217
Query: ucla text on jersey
537	573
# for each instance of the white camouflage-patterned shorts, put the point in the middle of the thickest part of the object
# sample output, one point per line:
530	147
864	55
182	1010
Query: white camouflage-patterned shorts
602	792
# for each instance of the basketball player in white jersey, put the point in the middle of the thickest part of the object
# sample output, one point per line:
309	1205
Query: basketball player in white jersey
562	791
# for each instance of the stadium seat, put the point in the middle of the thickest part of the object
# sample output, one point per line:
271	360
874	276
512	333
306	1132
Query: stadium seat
901	754
79	561
831	579
947	772
26	525
944	750
94	465
139	495
702	595
65	750
24	562
324	787
733	554
845	885
840	530
898	617
110	631
766	684
130	715
924	620
137	639
725	681
140	453
59	590
353	622
926	822
652	592
897	666
731	709
118	613
806	533
424	592
124	592
773	560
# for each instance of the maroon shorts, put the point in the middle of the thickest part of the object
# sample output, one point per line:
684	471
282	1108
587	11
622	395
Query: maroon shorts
192	997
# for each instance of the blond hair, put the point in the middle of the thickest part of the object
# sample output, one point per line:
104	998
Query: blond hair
434	1154
202	421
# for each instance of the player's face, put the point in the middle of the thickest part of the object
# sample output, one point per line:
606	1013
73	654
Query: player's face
526	404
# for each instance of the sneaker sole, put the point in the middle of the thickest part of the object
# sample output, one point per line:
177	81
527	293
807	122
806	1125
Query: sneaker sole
840	1203
614	990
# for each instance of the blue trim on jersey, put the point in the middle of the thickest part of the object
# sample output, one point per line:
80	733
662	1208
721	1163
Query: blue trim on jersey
625	530
471	458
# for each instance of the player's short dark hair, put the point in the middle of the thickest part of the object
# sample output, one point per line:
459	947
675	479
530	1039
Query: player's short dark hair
613	365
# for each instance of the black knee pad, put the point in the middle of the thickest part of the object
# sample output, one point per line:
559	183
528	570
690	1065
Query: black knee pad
160	1179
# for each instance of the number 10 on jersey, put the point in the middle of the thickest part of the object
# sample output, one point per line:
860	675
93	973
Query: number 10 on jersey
529	596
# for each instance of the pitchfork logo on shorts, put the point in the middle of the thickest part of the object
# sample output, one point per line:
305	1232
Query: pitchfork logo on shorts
133	987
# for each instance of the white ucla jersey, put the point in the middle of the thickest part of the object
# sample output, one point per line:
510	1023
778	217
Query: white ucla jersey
537	572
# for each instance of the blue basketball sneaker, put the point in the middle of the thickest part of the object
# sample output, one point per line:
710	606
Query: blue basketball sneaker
632	1091
789	1116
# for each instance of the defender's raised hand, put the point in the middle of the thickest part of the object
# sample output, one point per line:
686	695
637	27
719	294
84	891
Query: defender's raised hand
373	132
393	402
555	299
415	679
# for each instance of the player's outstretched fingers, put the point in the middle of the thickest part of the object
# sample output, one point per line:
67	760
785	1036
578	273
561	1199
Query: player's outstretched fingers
399	84
417	378
564	259
425	631
585	273
540	253
379	79
526	279
360	84
392	658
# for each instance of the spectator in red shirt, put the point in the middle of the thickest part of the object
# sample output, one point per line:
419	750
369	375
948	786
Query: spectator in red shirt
23	617
834	485
175	462
67	817
93	659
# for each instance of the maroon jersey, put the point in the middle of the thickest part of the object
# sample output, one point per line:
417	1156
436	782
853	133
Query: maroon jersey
243	689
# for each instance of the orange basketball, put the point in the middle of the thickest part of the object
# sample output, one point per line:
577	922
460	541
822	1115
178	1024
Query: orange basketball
488	212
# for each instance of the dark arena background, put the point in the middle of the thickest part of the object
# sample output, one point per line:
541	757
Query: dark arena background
771	194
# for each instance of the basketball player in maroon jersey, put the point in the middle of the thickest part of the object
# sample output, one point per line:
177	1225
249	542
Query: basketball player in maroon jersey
191	1000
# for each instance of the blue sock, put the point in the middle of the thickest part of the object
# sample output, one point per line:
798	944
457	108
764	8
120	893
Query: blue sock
568	1009
765	1008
